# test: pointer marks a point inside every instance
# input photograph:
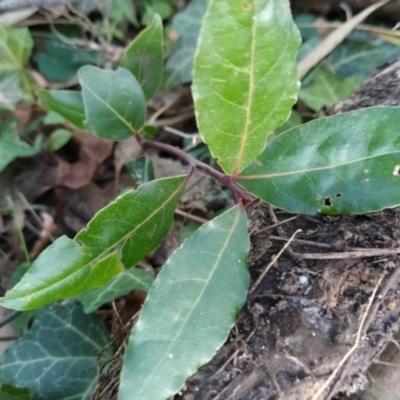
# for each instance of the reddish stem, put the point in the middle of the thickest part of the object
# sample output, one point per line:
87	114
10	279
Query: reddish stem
240	195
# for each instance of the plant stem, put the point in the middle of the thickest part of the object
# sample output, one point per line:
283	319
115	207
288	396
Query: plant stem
240	195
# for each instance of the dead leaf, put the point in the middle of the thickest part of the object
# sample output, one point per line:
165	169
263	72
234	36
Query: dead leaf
93	150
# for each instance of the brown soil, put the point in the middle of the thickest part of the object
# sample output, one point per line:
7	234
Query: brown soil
304	316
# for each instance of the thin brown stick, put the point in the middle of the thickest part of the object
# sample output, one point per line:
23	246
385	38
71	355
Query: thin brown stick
268	267
302	241
190	216
349	254
277	224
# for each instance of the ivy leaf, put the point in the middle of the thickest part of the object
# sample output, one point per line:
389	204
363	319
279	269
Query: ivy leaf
15	82
245	77
57	358
120	285
179	65
58	139
114	102
118	237
12	147
61	60
323	88
348	163
144	58
67	103
199	290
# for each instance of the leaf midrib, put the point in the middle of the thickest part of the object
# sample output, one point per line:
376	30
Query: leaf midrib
118	115
206	284
303	171
101	255
250	99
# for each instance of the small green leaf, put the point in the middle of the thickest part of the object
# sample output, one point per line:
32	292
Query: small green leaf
67	103
144	58
115	106
58	357
12	147
179	65
323	88
120	285
348	163
245	77
189	310
142	169
149	131
117	237
58	139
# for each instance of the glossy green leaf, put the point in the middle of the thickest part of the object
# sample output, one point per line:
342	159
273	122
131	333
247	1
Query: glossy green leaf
120	285
58	139
67	103
179	65
245	77
189	310
144	58
142	169
58	357
15	82
324	88
117	237
115	106
12	147
348	163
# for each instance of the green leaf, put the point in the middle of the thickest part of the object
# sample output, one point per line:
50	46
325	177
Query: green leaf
163	8
10	90
117	237
21	322
58	357
52	118
325	88
144	58
15	82
189	310
12	147
58	139
360	54
149	131
347	163
10	393
179	65
245	77
142	169
67	103
61	60
120	285
115	106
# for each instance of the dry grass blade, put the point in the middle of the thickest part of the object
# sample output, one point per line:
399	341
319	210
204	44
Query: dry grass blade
334	39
